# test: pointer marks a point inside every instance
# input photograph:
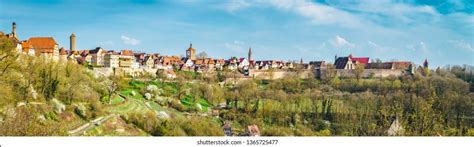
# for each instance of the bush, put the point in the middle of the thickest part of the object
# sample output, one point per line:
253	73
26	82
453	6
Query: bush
277	131
81	110
470	132
176	105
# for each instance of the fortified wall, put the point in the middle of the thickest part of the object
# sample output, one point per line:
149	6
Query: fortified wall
278	74
376	73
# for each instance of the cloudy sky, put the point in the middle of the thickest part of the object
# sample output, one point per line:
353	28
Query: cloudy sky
440	30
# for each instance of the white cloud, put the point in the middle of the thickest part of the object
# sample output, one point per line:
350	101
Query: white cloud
462	45
236	45
457	4
341	12
373	44
317	13
421	46
234	5
129	40
340	42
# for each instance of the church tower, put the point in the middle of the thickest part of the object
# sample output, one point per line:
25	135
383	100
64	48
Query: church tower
14	29
191	52
72	42
425	64
250	54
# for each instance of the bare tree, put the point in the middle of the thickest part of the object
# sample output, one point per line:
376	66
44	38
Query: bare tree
202	55
111	86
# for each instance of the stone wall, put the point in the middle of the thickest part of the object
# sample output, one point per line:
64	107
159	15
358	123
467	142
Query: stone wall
376	73
278	74
107	71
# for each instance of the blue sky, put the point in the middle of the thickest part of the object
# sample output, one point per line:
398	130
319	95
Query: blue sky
440	30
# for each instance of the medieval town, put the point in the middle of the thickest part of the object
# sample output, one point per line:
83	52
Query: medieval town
236	73
133	62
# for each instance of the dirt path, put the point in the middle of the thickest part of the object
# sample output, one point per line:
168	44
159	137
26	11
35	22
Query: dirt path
90	125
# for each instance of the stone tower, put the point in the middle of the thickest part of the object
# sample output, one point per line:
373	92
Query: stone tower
191	52
72	42
14	29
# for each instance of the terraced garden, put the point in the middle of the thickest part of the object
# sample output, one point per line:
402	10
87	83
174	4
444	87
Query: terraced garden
131	101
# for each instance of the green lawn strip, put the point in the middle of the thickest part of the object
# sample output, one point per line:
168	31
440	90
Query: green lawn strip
133	105
117	100
128	93
138	103
205	105
187	101
137	84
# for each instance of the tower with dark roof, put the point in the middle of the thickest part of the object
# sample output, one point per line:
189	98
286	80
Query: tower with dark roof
14	29
191	52
72	42
425	64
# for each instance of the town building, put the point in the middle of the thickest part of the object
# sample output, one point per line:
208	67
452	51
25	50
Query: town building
42	46
27	49
149	61
191	52
126	58
63	54
111	59
97	56
350	62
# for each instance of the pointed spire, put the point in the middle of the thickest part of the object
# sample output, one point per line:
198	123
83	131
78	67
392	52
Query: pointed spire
250	54
425	64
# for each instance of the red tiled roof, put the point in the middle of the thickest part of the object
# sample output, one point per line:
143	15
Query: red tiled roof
361	60
42	42
84	53
199	62
241	59
26	46
63	51
127	52
191	48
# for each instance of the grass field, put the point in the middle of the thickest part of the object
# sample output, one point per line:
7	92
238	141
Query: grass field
188	101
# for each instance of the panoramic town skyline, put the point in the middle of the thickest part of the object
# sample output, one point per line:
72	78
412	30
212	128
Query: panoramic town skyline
286	30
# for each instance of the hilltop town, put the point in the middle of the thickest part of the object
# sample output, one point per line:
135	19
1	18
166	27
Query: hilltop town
104	61
48	90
